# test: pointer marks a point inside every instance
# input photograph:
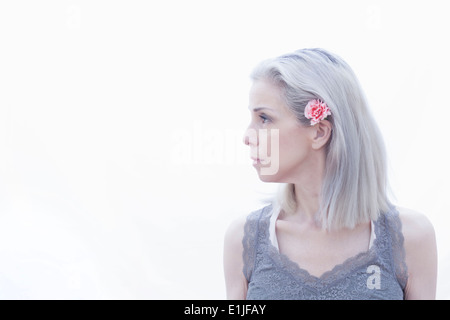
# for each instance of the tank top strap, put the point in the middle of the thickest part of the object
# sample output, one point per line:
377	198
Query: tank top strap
388	230
255	230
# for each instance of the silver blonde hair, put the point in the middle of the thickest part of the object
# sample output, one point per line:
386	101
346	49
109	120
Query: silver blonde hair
355	183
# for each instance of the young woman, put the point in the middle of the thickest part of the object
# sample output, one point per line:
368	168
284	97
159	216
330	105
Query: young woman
332	232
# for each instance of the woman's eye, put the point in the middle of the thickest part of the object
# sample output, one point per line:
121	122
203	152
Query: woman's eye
264	118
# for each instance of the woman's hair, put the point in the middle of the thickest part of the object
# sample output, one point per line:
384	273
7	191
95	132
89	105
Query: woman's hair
355	183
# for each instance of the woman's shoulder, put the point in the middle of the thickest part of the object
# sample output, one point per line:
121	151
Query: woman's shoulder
419	239
416	227
235	229
237	226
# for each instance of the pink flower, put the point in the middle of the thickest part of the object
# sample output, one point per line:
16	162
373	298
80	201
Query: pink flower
317	111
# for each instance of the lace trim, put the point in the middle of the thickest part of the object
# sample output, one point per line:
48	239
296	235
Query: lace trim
397	249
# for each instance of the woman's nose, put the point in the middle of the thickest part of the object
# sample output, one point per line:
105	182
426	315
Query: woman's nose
250	137
246	139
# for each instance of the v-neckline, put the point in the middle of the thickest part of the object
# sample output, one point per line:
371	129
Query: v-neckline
339	271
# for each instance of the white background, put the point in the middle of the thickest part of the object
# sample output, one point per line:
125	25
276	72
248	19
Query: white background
121	161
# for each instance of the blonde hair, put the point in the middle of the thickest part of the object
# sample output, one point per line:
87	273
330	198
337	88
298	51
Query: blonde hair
355	183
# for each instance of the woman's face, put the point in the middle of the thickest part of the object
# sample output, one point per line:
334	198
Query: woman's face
280	147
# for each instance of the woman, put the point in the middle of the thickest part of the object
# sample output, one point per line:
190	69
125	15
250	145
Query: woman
331	233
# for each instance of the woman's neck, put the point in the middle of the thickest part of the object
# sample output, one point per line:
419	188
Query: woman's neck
308	190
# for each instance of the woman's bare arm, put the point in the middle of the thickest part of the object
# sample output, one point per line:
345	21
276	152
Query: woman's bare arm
236	284
421	255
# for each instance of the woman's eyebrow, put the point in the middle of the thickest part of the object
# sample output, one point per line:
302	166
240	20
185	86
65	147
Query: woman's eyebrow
259	108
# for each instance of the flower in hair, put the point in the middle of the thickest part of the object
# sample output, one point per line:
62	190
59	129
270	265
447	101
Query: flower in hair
316	110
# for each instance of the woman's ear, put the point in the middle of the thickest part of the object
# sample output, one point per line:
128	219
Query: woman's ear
321	134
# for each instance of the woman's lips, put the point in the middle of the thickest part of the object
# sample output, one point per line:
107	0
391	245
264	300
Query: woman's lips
258	161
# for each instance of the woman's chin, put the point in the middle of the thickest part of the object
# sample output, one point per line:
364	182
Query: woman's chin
267	176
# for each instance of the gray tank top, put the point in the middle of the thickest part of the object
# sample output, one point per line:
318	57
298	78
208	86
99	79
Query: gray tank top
379	273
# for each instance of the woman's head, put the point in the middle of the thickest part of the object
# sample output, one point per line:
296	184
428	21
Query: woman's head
355	171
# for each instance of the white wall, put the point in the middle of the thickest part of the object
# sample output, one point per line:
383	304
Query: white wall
121	162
